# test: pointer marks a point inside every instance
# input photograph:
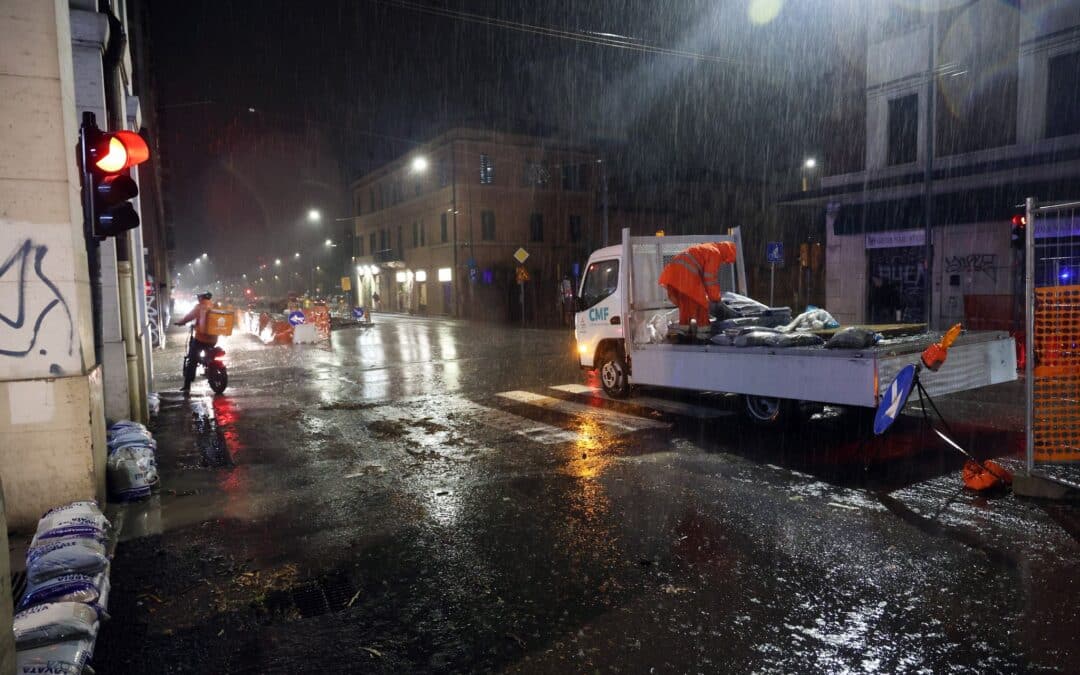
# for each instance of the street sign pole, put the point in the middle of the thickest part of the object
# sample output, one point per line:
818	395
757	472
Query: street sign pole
521	288
772	283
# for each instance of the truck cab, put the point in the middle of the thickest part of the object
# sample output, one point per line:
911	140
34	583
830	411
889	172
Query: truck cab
598	326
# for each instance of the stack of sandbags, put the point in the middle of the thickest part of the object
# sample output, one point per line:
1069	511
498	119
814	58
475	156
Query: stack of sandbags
131	468
67	591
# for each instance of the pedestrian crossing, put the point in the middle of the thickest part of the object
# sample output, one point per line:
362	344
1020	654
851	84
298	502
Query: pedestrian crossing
684	409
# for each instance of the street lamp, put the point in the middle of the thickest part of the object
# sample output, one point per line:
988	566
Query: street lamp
277	262
204	256
314	216
809	164
419	164
296	255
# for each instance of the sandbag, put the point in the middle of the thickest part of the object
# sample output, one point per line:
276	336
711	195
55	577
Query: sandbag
853	337
131	474
755	338
721	340
91	590
812	319
75	519
70	555
742	305
54	622
784	340
62	658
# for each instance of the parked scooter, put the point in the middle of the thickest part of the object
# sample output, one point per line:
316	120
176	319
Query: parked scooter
213	363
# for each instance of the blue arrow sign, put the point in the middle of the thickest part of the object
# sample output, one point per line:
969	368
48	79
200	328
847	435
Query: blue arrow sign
894	398
774	253
297	318
358	313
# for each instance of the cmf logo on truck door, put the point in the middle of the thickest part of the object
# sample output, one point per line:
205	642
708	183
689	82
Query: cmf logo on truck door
598	314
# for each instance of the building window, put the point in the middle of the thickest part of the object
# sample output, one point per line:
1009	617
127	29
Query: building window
400	239
383	240
487	170
371	200
536	174
442	228
1062	97
415	234
487	225
418	187
575	229
536	227
575	177
359	204
422	228
444	173
359	247
903	129
371	243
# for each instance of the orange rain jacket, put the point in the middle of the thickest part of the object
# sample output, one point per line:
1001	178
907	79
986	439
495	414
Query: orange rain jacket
692	279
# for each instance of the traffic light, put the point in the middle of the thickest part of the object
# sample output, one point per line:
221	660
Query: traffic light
1018	238
107	158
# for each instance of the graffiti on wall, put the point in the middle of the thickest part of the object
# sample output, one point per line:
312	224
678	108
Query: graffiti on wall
975	263
31	298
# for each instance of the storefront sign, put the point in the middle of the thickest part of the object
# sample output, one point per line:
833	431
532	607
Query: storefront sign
896	239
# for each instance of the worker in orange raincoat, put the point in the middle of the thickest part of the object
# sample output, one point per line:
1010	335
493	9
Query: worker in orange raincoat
692	279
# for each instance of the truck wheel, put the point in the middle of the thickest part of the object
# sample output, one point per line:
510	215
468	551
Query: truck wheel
767	411
613	375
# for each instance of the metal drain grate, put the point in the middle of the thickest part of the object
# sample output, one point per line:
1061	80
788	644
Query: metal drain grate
18	587
330	593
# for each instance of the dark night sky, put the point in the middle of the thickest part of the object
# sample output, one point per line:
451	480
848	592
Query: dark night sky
348	78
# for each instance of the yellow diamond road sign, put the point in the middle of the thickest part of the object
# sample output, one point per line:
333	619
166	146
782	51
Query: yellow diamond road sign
521	255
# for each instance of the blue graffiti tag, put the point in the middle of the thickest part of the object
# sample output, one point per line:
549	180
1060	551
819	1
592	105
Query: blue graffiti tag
22	257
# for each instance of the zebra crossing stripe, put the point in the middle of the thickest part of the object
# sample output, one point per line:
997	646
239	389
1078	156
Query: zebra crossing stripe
606	417
700	412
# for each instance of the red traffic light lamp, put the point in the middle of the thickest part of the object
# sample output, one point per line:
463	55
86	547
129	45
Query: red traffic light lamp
106	160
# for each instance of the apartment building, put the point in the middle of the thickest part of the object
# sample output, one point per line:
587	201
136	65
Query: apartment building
437	229
975	105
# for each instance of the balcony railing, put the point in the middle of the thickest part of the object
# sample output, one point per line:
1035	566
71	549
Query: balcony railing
388	255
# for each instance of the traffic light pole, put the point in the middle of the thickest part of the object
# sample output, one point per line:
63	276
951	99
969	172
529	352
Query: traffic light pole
93	246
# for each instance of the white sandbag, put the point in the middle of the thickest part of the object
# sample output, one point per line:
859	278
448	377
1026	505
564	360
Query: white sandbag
812	319
74	519
62	658
131	472
70	555
91	590
55	622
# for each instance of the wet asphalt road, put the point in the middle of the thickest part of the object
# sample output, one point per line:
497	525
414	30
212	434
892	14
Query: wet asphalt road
415	497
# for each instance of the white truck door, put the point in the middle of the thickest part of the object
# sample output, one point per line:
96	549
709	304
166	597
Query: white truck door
601	308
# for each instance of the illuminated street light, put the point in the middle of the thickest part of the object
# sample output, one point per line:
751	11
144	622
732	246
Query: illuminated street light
419	164
329	242
204	256
810	163
314	216
296	255
277	261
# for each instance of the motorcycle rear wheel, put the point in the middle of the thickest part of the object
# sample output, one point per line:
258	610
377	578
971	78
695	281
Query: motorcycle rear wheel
218	379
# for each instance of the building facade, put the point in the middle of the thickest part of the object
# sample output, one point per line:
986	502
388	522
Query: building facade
437	229
71	357
970	107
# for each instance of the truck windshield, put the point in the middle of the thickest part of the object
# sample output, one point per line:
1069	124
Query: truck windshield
601	280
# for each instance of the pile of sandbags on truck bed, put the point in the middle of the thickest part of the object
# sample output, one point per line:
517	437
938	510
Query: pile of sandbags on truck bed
67	591
740	311
131	467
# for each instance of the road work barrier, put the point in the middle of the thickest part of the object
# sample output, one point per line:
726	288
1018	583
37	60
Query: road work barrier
299	326
1052	319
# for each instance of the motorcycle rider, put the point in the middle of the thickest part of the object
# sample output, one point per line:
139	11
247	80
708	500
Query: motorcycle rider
201	342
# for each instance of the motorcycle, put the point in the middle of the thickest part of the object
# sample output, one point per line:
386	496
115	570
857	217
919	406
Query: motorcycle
213	363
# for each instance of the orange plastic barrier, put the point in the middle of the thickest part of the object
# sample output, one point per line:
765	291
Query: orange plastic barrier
1057	374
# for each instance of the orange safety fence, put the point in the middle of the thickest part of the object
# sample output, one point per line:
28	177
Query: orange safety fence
1057	374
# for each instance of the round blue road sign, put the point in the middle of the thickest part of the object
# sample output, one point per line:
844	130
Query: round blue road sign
894	398
358	313
297	318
